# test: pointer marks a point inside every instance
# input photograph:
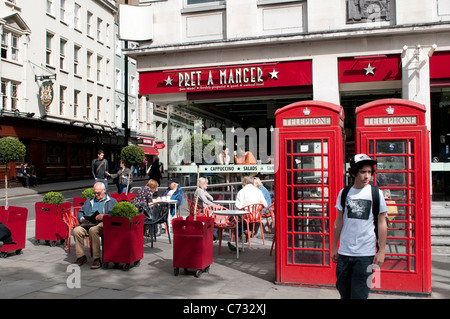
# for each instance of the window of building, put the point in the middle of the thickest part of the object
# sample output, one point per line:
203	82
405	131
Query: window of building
118	115
99	107
10	46
99	68
76	57
62	99
14	96
99	30
89	65
118	79
49	47
4	87
4	45
107	39
89	24
49	7
132	85
76	97
62	54
107	72
10	95
76	16
62	10
14	47
88	106
118	45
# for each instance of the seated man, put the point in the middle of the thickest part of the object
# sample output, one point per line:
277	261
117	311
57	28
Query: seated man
102	204
249	194
174	192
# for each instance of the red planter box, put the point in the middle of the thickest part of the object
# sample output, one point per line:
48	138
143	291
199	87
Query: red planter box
49	222
192	243
15	218
123	242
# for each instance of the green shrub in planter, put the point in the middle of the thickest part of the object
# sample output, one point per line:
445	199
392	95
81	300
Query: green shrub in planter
53	198
125	209
132	155
88	193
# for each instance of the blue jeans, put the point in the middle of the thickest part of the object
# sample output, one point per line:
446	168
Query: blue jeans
352	274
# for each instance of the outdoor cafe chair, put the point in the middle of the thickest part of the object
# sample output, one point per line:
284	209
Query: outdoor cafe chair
268	213
220	222
253	216
71	222
192	208
155	214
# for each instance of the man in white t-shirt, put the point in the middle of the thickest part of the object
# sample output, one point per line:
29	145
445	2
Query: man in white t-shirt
354	226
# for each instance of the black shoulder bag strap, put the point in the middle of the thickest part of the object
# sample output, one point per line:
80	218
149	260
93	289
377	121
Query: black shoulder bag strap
344	196
375	208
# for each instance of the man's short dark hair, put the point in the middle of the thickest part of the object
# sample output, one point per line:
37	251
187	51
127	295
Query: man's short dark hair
100	152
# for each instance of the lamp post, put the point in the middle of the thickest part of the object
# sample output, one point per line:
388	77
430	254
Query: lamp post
125	124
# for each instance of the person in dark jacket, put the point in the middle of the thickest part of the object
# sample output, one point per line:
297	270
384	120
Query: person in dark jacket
103	204
100	169
155	171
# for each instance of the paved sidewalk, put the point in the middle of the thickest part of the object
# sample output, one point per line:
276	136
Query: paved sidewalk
41	271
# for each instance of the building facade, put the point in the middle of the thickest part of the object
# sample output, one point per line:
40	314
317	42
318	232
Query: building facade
240	60
62	75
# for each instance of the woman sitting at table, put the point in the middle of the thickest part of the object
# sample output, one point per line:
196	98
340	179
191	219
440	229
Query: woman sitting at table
144	197
204	198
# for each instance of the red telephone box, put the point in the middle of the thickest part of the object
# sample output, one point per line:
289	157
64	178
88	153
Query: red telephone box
309	176
394	132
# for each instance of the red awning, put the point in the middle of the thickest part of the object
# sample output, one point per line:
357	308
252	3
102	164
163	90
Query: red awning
149	150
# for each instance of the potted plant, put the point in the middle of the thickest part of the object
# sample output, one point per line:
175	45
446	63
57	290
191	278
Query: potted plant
123	240
11	150
78	202
132	155
15	218
49	222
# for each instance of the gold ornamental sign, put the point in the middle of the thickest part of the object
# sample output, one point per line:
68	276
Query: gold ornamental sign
46	93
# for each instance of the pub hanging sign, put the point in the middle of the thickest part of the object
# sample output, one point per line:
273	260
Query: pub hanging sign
46	93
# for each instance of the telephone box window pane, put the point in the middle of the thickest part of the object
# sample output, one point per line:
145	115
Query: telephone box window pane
306	193
411	163
391	163
289	209
288	147
310	146
411	179
411	146
288	162
307	177
391	147
288	178
310	162
308	257
391	179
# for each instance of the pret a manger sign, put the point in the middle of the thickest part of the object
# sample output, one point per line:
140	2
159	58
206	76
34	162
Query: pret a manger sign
214	78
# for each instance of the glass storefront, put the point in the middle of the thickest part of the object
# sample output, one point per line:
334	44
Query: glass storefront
440	143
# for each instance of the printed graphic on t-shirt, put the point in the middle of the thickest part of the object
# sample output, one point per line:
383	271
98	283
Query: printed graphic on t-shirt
358	208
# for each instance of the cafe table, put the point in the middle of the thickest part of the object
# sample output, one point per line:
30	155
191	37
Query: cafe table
236	213
229	202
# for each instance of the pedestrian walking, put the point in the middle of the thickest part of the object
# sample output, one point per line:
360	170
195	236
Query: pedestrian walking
354	229
100	169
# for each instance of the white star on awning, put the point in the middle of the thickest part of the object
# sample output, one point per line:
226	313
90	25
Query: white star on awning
370	69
